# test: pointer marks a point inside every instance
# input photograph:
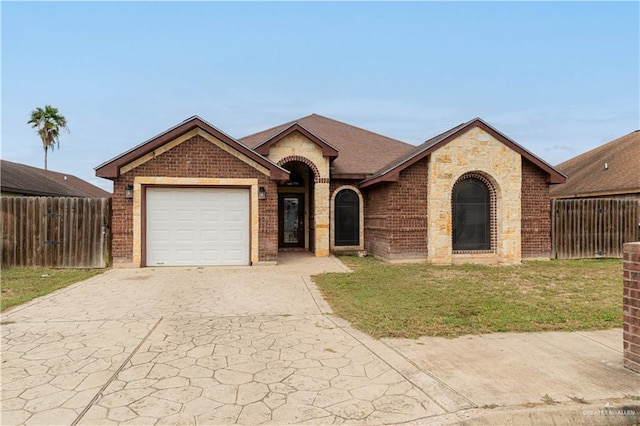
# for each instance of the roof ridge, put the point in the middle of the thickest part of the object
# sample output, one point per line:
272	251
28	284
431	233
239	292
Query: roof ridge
359	128
285	125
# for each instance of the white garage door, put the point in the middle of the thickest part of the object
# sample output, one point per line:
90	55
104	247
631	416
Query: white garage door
197	226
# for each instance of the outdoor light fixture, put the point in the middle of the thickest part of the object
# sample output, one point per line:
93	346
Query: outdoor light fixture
262	193
128	192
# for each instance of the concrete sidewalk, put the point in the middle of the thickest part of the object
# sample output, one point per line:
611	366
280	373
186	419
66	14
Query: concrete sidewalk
532	378
259	345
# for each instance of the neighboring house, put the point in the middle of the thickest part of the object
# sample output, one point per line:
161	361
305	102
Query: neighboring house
194	195
21	180
611	170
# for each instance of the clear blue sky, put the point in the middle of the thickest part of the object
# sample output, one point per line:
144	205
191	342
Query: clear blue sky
558	78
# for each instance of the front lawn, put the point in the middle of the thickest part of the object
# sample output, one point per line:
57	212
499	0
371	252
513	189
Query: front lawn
19	285
412	300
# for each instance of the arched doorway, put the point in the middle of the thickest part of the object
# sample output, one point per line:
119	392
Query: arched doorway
295	208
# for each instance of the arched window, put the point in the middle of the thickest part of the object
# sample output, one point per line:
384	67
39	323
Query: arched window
347	218
471	215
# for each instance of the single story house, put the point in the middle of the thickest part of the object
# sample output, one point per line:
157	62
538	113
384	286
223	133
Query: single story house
611	170
194	195
21	180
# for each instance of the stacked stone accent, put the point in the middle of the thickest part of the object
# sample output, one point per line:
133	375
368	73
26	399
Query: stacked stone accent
297	147
475	151
631	306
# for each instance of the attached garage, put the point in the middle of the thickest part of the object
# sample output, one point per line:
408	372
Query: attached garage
197	226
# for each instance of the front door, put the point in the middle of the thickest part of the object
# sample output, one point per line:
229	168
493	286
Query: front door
291	220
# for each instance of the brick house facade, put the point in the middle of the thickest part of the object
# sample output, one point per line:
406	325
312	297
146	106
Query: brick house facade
316	184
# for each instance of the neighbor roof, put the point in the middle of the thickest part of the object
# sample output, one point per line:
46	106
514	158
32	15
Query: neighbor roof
27	180
391	171
589	177
360	152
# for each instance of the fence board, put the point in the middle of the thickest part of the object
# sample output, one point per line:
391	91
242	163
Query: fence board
57	232
595	227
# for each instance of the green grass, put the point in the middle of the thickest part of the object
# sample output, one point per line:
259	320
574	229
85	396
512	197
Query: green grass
20	285
412	300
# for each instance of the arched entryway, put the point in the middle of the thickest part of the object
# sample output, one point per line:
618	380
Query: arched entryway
296	207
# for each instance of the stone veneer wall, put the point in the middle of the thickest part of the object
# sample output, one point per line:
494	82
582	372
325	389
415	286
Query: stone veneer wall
536	213
194	158
631	306
475	151
297	145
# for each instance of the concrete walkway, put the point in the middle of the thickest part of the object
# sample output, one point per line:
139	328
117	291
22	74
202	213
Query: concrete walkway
259	346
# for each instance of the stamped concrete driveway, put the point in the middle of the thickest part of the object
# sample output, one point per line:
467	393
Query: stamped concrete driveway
205	346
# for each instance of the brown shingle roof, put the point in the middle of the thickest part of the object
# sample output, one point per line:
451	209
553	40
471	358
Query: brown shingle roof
26	180
587	175
361	152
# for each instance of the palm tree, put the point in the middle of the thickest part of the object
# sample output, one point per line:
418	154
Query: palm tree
48	121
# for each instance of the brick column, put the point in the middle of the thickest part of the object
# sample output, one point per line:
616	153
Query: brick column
631	306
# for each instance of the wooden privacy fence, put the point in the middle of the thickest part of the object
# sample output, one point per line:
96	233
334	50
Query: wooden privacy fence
593	227
60	232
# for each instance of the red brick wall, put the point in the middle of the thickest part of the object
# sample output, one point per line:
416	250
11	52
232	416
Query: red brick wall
194	158
376	233
536	212
631	306
396	216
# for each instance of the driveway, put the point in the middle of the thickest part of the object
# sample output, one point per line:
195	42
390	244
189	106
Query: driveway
224	345
204	346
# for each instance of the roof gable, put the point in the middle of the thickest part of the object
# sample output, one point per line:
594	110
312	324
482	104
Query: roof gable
327	149
27	180
588	175
185	130
361	152
391	172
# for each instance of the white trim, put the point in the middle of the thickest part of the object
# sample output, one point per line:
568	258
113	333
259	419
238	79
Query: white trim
138	220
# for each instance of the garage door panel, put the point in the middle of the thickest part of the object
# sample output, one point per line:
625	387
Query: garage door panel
161	256
234	236
211	255
161	235
210	237
185	236
233	216
184	255
185	215
197	226
210	215
233	255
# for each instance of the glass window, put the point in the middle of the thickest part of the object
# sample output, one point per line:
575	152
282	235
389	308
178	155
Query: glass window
471	216
347	220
